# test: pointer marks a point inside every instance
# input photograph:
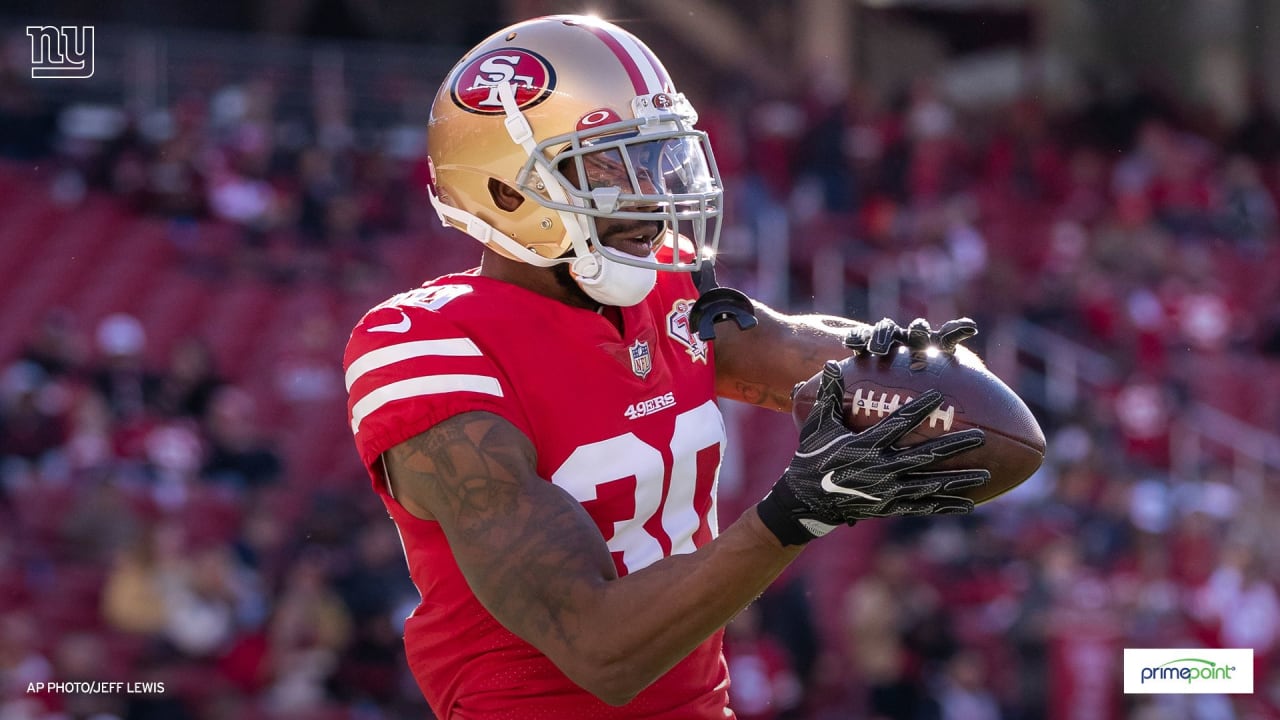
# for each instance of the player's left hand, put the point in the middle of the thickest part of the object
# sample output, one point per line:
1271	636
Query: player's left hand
838	476
882	337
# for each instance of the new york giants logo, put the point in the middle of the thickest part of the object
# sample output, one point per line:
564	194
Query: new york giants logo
65	52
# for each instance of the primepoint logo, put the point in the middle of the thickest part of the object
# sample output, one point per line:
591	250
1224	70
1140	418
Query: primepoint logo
1188	671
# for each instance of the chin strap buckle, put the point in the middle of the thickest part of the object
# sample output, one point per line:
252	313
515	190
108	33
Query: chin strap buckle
720	304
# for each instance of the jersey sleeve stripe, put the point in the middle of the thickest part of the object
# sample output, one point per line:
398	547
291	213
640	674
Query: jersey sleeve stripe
382	357
417	387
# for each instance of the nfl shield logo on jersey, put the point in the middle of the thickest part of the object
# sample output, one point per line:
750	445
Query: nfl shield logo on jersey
641	362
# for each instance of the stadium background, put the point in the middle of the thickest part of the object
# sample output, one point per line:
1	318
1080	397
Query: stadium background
187	236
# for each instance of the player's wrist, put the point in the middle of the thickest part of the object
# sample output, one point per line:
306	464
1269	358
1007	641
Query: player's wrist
782	515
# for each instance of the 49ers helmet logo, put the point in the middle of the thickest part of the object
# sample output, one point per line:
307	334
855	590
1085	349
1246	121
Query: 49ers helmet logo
475	86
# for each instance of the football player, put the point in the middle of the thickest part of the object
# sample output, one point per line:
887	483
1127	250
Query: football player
543	429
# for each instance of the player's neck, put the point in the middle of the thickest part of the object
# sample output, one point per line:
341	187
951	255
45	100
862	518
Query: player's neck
550	282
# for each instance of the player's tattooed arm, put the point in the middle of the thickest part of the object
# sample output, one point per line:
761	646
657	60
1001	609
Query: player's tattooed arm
762	365
508	529
536	561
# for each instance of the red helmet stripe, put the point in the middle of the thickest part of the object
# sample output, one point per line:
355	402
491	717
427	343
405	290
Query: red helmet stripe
658	70
630	57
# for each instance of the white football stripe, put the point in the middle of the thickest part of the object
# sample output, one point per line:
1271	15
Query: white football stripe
382	357
651	79
419	386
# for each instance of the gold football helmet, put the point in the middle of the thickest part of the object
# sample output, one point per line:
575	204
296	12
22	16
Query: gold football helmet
542	104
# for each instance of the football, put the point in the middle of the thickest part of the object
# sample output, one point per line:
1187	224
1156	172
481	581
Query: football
972	397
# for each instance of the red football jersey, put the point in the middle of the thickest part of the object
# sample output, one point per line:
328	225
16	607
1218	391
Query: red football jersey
626	423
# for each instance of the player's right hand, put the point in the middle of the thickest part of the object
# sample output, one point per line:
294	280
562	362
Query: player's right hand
838	476
886	334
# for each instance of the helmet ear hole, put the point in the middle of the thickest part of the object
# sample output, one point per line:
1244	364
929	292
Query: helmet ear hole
504	196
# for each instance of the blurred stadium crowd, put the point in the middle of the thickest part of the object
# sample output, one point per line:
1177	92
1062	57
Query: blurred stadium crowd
180	501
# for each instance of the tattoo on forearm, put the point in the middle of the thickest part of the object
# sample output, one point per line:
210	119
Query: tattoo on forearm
762	367
753	393
757	393
838	322
527	550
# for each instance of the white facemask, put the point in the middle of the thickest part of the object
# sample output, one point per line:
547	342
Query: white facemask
613	283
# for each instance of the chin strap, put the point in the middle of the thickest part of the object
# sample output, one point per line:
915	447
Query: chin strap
486	233
602	279
575	225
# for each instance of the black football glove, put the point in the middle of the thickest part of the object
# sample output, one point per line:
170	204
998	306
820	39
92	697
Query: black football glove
838	477
880	338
